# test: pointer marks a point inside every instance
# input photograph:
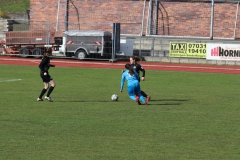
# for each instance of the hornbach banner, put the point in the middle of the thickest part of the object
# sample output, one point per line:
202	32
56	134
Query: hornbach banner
189	50
228	52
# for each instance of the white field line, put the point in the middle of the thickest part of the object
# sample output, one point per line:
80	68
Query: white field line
10	80
122	64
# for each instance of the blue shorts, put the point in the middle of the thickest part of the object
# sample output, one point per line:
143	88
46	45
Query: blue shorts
134	88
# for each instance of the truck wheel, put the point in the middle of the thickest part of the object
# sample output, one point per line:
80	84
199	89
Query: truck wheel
37	52
81	54
24	52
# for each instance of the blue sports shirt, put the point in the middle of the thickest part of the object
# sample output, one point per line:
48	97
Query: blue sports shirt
130	79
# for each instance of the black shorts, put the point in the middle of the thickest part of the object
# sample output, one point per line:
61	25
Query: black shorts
46	78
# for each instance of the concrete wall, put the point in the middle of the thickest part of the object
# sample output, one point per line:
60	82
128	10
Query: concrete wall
16	15
3	25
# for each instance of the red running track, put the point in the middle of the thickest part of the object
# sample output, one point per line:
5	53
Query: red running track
12	60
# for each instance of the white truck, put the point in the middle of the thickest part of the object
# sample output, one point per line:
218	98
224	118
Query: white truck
83	44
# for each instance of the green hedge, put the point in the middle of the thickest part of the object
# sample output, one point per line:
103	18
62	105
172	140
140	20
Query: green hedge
14	5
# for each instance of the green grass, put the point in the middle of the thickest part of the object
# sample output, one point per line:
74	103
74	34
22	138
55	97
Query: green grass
190	116
14	5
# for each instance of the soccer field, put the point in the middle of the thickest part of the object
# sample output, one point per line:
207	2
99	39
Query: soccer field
190	116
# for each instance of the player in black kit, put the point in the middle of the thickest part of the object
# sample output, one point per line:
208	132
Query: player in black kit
137	67
47	79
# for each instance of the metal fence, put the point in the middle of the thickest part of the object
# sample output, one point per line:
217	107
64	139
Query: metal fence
166	18
158	49
126	28
25	38
23	25
143	46
160	23
193	18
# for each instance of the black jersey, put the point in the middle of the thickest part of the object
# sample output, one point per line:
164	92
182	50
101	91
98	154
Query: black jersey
45	64
137	67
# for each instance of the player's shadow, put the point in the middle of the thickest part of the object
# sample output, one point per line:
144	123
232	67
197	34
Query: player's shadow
167	101
85	101
162	102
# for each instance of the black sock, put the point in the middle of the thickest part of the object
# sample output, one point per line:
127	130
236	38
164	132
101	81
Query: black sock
144	94
42	93
50	91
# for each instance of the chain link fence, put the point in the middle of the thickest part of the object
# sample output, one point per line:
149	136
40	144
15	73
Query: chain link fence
156	24
25	38
126	28
193	18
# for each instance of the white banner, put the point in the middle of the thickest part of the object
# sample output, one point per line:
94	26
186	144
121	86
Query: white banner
229	52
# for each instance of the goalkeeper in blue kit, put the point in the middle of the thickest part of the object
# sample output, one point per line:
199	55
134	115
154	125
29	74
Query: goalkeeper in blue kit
134	90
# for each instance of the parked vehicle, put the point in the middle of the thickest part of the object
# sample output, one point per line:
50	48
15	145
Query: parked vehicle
27	43
31	38
79	44
88	43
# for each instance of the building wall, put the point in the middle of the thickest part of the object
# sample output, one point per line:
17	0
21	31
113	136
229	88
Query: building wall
173	18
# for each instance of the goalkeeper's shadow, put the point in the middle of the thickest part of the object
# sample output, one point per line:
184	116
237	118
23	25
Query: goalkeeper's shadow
167	101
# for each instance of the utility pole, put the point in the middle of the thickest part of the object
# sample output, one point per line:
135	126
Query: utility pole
212	20
66	15
66	27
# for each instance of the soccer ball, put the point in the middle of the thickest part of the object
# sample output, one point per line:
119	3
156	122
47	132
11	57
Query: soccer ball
114	97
